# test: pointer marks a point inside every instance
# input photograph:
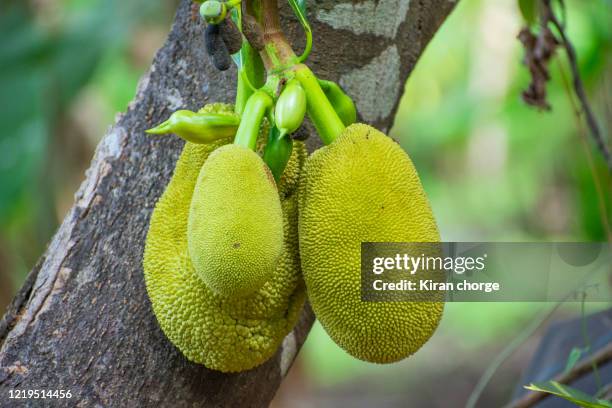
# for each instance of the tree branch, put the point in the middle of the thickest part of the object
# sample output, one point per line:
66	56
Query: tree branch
585	366
579	86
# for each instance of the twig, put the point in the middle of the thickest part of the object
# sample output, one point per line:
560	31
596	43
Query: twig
600	358
584	141
511	348
579	87
505	353
587	340
605	393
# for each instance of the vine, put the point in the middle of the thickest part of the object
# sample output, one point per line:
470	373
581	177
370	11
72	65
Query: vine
540	48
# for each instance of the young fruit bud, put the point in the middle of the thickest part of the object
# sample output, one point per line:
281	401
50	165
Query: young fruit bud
341	102
201	127
213	11
290	108
216	48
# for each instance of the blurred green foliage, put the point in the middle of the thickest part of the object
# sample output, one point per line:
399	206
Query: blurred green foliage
50	51
494	168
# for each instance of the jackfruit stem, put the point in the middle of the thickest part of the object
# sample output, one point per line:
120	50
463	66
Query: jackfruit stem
320	110
250	75
280	60
243	92
256	108
277	54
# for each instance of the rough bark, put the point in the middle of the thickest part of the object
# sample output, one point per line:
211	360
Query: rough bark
82	321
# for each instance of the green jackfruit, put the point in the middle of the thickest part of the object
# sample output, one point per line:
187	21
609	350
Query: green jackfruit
289	181
362	188
223	333
235	228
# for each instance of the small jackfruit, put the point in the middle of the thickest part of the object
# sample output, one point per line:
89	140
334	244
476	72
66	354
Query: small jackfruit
363	188
289	181
235	228
223	333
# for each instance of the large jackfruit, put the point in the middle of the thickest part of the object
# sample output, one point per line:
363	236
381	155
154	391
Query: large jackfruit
223	333
362	188
235	228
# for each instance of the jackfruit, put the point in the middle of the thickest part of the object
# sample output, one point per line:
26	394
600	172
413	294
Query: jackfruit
289	181
235	228
223	333
363	188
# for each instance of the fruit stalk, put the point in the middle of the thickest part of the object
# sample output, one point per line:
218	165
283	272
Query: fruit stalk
256	108
320	110
278	57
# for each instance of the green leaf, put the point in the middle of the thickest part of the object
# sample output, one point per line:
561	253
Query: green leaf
529	10
42	71
574	357
571	394
299	8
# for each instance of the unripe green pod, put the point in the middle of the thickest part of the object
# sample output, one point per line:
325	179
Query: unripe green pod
211	123
213	11
290	108
342	103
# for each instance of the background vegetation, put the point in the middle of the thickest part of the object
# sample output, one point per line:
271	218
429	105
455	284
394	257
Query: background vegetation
494	169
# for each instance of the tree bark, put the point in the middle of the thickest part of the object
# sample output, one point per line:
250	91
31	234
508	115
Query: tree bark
82	321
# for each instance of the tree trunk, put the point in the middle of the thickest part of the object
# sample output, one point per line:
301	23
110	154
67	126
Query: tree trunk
82	321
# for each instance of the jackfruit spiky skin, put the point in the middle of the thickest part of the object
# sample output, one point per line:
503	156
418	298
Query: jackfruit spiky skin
362	188
289	181
235	228
223	333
